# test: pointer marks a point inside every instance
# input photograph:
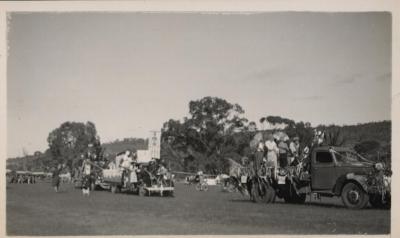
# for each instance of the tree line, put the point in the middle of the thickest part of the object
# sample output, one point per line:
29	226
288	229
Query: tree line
214	130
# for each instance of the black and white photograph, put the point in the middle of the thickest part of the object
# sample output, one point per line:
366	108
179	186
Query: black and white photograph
152	122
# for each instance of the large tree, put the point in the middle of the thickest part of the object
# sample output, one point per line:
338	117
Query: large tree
206	137
71	140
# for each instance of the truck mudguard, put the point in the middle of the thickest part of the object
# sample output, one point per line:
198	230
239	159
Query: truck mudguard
342	180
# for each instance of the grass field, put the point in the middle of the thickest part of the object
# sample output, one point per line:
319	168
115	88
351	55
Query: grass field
37	210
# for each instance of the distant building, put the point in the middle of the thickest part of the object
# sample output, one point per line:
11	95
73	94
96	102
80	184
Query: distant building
143	156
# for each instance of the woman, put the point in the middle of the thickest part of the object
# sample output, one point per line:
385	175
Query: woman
272	151
56	178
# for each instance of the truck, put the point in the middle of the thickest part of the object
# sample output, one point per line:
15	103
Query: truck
327	172
143	184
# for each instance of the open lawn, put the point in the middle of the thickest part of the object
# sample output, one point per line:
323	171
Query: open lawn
35	209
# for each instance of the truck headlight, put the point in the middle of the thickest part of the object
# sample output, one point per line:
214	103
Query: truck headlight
379	166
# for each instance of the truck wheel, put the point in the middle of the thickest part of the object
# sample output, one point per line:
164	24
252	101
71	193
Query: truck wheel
353	196
114	189
260	192
205	187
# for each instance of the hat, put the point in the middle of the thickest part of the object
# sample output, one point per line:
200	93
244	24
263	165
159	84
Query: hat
270	137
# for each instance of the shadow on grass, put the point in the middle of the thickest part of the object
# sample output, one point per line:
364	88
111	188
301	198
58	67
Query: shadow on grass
307	204
241	200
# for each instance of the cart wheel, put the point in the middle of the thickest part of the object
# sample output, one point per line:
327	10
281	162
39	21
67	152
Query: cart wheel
231	188
198	186
205	187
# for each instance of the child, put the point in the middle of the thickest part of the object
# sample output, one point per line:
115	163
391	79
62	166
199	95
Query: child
86	185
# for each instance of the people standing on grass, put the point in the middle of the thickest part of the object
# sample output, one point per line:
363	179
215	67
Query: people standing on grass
56	178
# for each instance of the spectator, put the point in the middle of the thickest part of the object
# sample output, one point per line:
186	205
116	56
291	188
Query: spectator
272	151
283	153
86	181
258	158
294	148
56	178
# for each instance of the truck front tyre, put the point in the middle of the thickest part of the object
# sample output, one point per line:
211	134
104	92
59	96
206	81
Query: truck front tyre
353	196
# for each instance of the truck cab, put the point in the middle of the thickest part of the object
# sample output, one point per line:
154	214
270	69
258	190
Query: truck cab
339	171
330	164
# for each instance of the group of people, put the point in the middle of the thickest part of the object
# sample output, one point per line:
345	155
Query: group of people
22	178
127	163
276	152
84	173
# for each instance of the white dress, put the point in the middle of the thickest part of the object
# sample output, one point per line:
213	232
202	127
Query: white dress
272	155
86	169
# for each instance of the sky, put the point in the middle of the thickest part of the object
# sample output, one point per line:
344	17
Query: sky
130	72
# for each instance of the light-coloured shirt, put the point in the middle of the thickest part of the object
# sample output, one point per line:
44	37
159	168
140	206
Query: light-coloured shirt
126	161
86	168
260	146
294	148
271	146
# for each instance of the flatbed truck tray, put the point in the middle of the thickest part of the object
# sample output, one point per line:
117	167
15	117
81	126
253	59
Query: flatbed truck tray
160	190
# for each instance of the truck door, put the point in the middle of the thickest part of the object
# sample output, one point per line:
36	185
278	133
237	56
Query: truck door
322	171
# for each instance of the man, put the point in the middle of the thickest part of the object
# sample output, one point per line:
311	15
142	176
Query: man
125	165
283	151
162	173
127	159
56	178
258	158
86	181
294	147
